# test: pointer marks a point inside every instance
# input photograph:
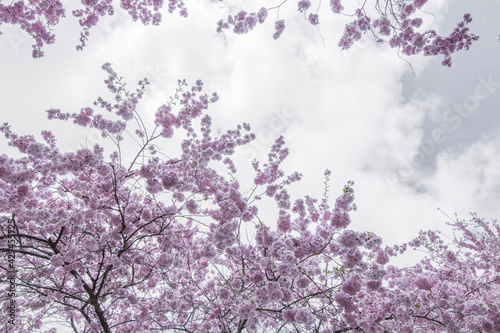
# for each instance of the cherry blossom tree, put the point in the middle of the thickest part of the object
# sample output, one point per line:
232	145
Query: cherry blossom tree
394	22
156	238
456	288
166	242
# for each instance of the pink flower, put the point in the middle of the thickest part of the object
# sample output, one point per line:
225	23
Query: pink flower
169	180
336	6
303	282
382	258
304	5
349	238
416	22
289	315
91	20
36	150
345	301
257	277
363	23
153	186
132	299
264	237
374	284
57	260
287	295
274	291
352	285
271	190
423	283
224	293
262	15
279	27
419	3
450	256
192	206
284	223
303	316
407	10
352	258
340	219
314	19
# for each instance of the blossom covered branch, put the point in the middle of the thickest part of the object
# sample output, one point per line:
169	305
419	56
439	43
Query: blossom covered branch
394	22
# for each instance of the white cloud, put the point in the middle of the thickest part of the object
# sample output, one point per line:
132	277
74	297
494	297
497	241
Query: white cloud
469	181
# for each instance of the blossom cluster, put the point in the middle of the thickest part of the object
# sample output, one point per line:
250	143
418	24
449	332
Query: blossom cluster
38	17
243	22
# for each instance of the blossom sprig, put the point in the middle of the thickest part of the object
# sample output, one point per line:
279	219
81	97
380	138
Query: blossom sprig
397	25
38	17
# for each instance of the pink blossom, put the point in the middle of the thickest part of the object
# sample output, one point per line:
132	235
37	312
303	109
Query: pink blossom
349	238
382	258
289	315
340	219
36	150
274	291
224	294
303	282
287	295
284	222
169	180
192	206
336	6
303	316
419	3
262	15
279	27
423	283
352	285
363	23
57	260
314	19
304	5
345	301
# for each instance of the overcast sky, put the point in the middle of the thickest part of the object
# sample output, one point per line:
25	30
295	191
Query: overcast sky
410	143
